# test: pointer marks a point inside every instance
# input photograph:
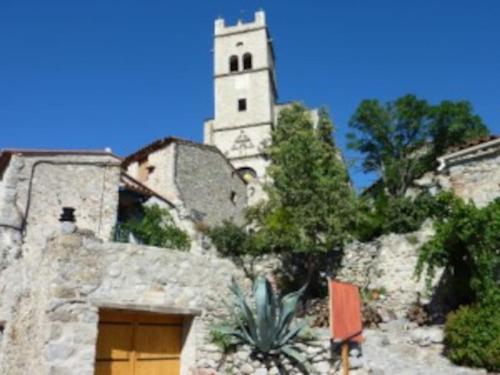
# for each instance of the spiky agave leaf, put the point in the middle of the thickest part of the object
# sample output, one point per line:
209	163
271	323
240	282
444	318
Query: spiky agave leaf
267	329
265	313
287	311
291	333
247	313
296	356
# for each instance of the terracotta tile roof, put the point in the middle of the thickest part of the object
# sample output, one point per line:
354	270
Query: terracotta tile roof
472	143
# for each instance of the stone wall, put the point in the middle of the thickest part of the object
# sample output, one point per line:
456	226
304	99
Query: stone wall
197	179
476	178
51	308
208	185
35	188
387	265
472	174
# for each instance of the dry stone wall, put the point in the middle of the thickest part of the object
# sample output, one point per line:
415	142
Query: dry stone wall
387	265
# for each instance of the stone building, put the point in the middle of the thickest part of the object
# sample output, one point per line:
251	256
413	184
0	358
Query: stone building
471	171
245	95
36	184
193	176
71	299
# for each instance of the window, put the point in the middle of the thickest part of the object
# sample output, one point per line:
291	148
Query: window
233	197
247	61
242	105
233	63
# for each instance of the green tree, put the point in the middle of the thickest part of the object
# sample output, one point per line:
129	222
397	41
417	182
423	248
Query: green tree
454	123
392	138
311	203
400	140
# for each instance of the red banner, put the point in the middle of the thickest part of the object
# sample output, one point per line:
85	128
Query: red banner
345	311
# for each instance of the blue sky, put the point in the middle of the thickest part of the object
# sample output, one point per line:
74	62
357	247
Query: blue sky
120	74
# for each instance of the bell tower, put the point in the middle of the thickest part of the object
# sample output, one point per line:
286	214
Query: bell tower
245	95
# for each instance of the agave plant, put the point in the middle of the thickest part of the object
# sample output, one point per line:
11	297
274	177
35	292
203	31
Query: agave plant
267	328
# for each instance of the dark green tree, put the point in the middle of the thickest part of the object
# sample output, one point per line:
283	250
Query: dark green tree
311	203
454	123
393	139
400	140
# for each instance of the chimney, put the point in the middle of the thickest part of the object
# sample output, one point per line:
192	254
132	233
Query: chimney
68	221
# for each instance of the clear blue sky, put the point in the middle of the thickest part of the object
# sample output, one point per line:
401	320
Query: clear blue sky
98	73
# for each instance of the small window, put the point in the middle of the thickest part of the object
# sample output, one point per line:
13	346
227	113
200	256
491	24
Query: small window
242	105
247	61
233	197
233	63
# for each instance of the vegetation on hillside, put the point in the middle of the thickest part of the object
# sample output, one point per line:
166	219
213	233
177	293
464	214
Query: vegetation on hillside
399	142
467	246
312	210
311	203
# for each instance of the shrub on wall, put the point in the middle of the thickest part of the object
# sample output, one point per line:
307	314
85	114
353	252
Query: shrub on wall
232	240
156	227
472	336
467	246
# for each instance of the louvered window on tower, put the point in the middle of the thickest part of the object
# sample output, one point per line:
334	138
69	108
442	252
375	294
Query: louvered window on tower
233	63
242	105
247	61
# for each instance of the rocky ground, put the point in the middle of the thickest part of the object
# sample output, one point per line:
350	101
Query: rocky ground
398	347
401	348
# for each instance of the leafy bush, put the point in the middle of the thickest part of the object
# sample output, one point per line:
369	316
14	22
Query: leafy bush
156	227
267	328
383	214
472	336
466	245
231	240
221	340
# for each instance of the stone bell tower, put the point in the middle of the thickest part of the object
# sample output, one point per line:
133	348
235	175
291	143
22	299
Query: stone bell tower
245	97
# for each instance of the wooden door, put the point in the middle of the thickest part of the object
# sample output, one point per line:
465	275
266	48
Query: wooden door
132	343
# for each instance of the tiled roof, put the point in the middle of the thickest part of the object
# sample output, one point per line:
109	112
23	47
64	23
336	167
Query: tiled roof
472	143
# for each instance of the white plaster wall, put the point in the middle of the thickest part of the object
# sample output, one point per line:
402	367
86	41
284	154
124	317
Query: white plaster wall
258	137
254	41
255	87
